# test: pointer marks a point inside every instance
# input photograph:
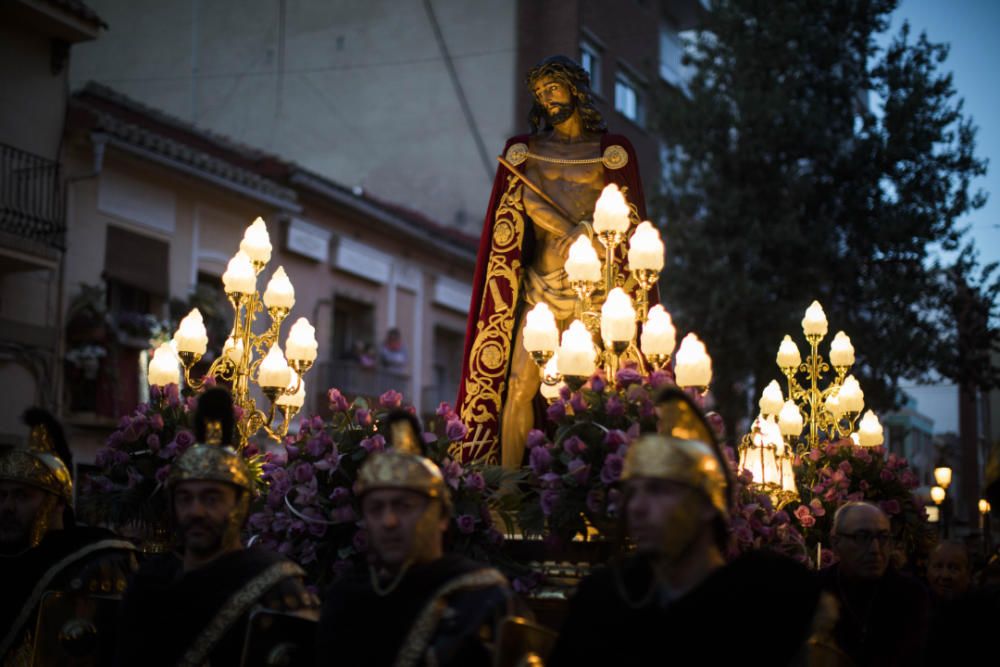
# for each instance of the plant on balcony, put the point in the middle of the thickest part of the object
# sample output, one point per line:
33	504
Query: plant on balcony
311	514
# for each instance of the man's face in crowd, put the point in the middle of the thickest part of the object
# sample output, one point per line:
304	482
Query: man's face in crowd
556	97
203	511
948	571
863	543
403	525
663	517
20	505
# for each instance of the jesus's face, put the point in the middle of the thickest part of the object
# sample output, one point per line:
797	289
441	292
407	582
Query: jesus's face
555	97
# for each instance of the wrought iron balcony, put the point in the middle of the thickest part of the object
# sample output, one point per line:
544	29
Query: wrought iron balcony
31	201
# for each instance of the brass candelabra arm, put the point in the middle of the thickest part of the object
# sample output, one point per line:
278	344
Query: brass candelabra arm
645	279
658	361
796	392
612	357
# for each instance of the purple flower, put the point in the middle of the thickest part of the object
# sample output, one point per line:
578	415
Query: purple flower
578	470
539	459
156	421
376	443
556	412
343	514
636	393
455	430
337	401
548	501
329	462
817	507
466	524
535	438
184	439
390	399
475	482
615	438
845	467
628	376
614	406
887	475
153	442
815	455
597	383
452	472
445	410
340	495
646	410
890	507
659	379
317	446
577	403
574	446
804	517
260	521
611	472
303	472
291	451
110	457
550	480
718	425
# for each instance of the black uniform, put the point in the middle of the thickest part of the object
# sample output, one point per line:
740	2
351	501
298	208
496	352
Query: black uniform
756	610
439	607
172	617
87	561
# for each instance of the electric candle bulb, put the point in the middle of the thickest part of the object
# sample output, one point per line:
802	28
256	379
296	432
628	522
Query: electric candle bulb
301	344
191	335
582	263
841	350
295	399
163	369
233	350
551	391
870	431
540	332
771	400
834	406
790	419
788	354
658	334
814	322
617	317
693	367
611	213
852	399
256	242
646	249
239	277
274	370
279	292
576	353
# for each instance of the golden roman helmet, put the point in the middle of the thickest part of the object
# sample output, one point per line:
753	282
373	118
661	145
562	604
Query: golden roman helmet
212	459
395	469
38	465
684	451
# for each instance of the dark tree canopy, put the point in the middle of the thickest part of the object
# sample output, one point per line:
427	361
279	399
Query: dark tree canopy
806	164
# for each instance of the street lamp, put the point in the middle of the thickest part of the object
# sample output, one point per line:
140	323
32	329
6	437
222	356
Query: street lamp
942	475
939	495
984	526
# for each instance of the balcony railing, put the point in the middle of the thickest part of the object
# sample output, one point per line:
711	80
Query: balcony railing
31	201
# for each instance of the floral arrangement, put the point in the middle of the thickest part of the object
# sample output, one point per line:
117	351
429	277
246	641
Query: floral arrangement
310	511
837	472
575	465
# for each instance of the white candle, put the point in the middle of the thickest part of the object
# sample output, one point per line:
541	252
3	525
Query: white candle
693	367
617	317
551	371
239	276
646	249
870	431
191	335
301	344
852	399
582	263
658	333
788	354
790	419
163	369
834	406
611	213
841	350
279	292
274	370
296	399
256	243
540	332
814	322
576	353
771	399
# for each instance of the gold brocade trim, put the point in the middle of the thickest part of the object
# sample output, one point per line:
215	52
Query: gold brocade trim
237	604
489	356
42	586
422	630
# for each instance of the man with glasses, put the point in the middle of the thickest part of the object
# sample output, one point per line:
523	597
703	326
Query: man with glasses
883	615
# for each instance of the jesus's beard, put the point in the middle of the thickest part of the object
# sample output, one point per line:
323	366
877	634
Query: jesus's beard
561	114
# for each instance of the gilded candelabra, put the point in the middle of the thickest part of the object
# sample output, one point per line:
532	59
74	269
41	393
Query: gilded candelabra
248	358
